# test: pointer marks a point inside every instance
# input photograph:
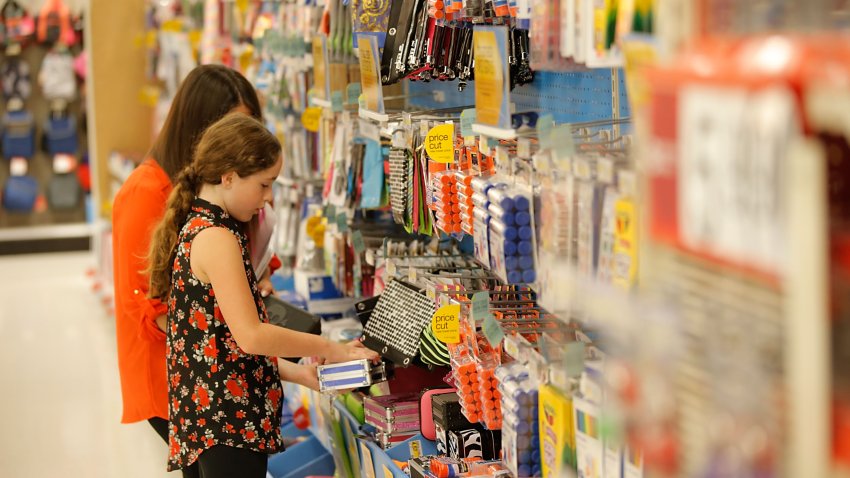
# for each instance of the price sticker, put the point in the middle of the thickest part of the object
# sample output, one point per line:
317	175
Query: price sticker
310	118
342	222
445	324
352	93
415	449
411	274
439	143
480	306
574	359
358	243
467	119
523	148
330	211
493	332
391	269
336	101
512	346
605	170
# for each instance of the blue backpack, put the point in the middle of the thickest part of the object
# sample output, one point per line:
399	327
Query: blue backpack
20	193
60	136
18	135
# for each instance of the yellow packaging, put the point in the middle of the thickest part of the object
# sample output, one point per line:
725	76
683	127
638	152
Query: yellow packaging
557	434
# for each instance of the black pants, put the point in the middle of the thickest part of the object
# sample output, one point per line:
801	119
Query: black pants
220	461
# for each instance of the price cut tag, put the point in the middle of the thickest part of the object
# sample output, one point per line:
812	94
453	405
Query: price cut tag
439	143
446	324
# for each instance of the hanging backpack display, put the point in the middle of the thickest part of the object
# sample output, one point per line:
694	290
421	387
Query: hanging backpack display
54	24
18	135
57	77
64	191
20	193
60	135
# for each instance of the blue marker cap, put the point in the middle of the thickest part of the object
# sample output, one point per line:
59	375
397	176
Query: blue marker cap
524	248
521	203
511	262
529	276
523	218
514	277
511	248
525	233
526	262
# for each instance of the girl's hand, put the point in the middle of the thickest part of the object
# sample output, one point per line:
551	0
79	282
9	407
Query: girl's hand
309	377
265	283
352	351
265	286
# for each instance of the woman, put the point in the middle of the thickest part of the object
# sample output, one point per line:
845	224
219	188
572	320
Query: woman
207	94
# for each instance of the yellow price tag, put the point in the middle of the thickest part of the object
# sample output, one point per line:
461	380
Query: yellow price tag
439	143
310	118
174	26
195	38
246	57
446	324
150	39
149	95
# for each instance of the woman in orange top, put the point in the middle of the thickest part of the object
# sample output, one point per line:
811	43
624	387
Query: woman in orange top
207	94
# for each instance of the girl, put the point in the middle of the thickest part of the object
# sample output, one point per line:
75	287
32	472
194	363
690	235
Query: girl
224	392
207	94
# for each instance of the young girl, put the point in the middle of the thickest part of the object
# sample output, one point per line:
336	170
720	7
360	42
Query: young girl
224	393
207	94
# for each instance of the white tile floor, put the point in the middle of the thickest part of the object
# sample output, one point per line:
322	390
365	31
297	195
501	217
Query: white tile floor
60	401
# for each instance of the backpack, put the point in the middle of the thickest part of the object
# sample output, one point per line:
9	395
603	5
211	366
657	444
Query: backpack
64	191
54	24
18	134
16	25
15	79
20	193
57	77
60	136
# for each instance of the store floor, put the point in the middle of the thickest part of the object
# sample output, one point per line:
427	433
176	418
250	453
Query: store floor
60	401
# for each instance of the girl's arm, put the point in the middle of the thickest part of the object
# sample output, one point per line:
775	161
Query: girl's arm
216	258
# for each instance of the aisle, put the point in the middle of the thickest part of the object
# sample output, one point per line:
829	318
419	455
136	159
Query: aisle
61	402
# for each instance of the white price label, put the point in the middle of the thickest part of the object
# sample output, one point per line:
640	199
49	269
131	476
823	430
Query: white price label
523	148
605	170
582	169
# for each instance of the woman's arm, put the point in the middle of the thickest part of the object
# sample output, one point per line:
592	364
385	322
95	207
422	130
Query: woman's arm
133	222
216	258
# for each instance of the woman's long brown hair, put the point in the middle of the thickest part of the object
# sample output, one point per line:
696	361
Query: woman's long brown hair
206	94
235	143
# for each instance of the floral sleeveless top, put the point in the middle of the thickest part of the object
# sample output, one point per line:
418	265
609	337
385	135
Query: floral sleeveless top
218	394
